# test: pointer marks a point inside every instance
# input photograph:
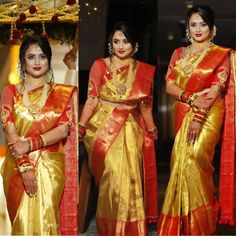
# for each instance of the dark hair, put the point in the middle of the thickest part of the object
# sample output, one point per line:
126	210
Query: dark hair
125	28
205	12
42	42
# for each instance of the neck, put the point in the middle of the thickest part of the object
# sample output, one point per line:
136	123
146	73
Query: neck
32	83
200	45
121	61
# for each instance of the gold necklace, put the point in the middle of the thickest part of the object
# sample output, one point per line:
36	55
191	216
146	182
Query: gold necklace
187	66
122	88
35	108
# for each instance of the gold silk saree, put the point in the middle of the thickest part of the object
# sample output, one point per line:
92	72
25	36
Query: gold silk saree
55	166
121	155
190	207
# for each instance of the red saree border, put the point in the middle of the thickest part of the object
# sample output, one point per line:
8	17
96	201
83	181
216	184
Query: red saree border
111	227
145	75
195	223
106	137
227	191
199	78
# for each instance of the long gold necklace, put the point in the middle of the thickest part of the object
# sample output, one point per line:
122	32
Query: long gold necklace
35	108
188	66
122	88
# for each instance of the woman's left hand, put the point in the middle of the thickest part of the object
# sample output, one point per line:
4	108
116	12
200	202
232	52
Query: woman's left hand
19	147
193	131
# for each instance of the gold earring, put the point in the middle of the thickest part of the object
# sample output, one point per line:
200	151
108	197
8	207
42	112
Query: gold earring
213	33
110	49
188	36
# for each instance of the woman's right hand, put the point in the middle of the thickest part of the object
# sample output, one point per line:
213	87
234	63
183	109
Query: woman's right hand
20	147
30	183
202	102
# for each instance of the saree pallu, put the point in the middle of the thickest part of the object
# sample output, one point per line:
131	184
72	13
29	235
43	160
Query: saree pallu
189	206
115	142
227	190
55	169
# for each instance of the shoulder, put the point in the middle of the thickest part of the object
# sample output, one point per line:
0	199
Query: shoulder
221	48
64	87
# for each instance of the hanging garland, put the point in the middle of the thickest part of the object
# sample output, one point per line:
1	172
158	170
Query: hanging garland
21	18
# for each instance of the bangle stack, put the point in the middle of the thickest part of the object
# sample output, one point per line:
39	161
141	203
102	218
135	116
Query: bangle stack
187	97
82	130
23	163
36	142
153	134
200	116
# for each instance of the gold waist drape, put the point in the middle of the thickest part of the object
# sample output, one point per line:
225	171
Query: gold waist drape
120	206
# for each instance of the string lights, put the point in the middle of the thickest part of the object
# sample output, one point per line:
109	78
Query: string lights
19	13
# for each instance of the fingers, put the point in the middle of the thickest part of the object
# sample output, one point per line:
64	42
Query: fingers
192	135
30	182
31	188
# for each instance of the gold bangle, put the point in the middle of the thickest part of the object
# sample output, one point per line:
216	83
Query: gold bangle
152	129
82	125
43	141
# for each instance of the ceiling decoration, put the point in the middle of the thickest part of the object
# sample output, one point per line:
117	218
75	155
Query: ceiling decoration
53	19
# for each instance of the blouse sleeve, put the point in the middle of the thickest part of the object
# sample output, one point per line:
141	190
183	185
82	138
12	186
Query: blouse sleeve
222	72
95	80
6	105
170	72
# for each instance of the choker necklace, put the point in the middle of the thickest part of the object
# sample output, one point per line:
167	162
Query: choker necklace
35	108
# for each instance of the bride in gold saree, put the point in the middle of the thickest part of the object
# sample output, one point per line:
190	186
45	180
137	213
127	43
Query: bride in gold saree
119	138
198	77
40	168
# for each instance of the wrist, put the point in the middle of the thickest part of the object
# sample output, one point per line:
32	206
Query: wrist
36	142
82	130
152	132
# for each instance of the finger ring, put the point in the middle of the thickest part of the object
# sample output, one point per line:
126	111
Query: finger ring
194	132
35	182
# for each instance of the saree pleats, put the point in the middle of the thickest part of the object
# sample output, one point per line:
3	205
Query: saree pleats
189	203
42	218
120	207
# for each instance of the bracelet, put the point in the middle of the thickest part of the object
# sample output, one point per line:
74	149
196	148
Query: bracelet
152	129
82	131
180	96
185	96
24	168
191	99
200	116
153	134
36	142
81	125
23	163
43	141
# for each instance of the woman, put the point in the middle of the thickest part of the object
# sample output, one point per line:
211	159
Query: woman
196	77
119	138
40	167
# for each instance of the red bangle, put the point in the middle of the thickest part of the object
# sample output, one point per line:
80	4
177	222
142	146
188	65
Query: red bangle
185	95
82	130
35	143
